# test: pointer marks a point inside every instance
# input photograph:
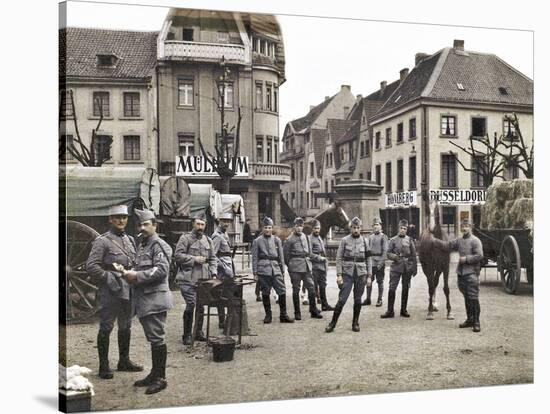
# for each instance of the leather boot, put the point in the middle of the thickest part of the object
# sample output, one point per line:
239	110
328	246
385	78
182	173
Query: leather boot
367	300
315	313
187	327
380	295
159	383
476	310
391	300
404	300
469	322
124	363
221	316
283	317
324	303
103	351
200	319
332	324
267	307
356	313
149	379
296	303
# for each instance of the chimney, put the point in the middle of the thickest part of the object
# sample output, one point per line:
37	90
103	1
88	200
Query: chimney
311	107
327	98
418	57
359	97
348	87
403	74
383	85
458	44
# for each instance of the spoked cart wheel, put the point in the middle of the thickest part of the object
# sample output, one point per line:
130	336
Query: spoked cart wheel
80	290
509	264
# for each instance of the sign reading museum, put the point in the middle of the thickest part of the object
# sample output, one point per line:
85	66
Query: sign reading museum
458	197
198	166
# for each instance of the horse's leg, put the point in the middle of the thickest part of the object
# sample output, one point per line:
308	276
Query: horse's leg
437	273
450	315
431	291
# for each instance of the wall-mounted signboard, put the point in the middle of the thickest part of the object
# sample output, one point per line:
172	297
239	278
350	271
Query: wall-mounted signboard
198	166
458	196
402	199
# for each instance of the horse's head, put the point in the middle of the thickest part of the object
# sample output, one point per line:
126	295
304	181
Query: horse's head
334	215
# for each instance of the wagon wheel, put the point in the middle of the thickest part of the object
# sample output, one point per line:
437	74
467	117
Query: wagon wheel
509	264
80	289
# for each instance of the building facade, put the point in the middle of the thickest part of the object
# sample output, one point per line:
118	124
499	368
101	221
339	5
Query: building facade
109	73
305	142
195	48
449	96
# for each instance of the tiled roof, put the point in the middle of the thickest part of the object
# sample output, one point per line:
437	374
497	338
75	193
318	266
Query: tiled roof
79	47
481	75
319	140
351	133
306	121
383	95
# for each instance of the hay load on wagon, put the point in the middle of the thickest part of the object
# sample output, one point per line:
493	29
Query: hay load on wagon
507	230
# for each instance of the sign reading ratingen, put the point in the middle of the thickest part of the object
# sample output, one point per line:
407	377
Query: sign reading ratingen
458	197
403	199
198	166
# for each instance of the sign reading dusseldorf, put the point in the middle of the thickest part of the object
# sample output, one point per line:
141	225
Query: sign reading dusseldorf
198	166
458	197
402	199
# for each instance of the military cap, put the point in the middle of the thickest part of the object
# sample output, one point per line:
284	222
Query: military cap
298	221
315	223
225	216
121	210
267	221
376	220
356	221
465	222
403	223
144	215
199	217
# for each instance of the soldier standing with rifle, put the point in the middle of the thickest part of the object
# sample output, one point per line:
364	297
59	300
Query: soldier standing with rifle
319	261
353	270
152	298
196	260
268	266
297	252
378	242
402	252
114	298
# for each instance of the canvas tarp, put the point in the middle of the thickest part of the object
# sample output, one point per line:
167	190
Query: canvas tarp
205	199
175	197
90	191
233	203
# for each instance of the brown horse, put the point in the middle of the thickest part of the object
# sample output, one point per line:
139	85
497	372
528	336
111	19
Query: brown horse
435	261
334	215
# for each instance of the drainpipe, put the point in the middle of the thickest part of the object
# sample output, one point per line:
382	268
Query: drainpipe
158	120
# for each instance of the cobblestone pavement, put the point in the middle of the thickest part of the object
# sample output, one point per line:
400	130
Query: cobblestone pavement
284	361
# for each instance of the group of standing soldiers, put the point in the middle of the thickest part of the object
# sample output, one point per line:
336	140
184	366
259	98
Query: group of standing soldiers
133	278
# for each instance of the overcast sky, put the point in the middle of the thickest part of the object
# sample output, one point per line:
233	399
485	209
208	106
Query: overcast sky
324	53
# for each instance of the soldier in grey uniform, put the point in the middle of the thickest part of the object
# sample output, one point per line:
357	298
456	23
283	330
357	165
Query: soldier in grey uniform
113	296
470	252
297	253
319	262
196	260
268	266
151	296
222	250
353	270
378	242
402	252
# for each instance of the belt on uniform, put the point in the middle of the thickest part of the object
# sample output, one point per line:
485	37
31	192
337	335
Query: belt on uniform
353	259
292	256
224	254
268	257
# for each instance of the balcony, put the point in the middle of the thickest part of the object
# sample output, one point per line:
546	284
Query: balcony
204	52
269	172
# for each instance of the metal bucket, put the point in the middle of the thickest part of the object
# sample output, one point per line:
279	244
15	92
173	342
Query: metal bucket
223	349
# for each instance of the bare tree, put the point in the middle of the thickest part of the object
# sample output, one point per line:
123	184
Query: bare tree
87	156
489	164
524	157
224	162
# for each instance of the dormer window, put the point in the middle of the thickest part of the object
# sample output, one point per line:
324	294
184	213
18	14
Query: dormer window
107	61
503	90
397	99
460	87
